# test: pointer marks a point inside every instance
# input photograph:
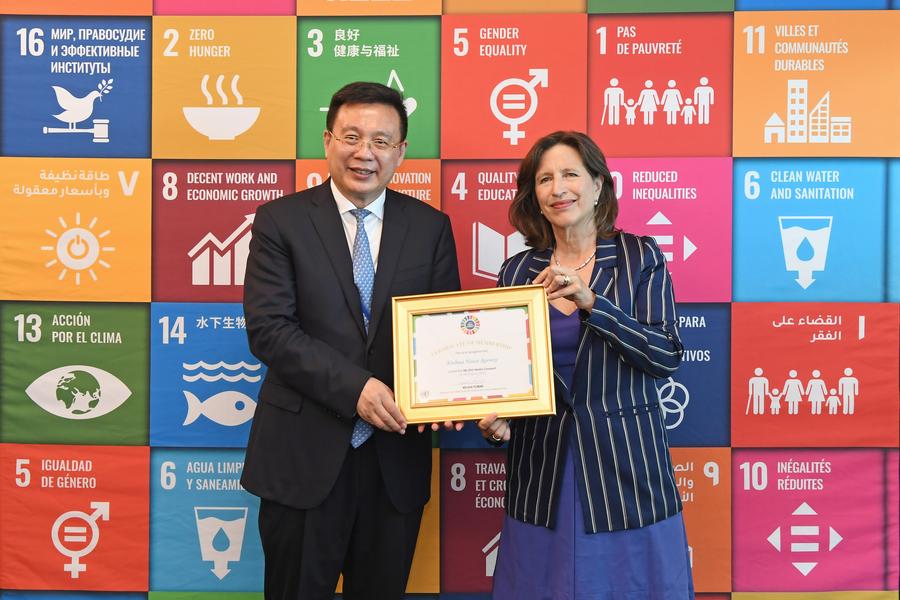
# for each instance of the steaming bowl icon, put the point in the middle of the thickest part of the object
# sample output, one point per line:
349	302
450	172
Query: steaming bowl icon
221	122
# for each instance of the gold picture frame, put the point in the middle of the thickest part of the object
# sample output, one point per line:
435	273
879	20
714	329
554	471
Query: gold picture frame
460	356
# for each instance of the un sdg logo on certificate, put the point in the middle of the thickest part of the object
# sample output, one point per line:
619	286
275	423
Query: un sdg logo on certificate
469	324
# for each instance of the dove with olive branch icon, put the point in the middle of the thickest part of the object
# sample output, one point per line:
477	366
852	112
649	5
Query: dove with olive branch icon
76	110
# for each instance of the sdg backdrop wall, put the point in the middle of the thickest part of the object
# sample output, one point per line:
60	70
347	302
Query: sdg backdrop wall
757	141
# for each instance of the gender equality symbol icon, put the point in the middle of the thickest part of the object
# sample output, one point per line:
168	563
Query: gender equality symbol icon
75	542
516	101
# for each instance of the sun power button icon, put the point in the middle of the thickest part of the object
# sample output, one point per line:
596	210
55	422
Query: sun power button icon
80	535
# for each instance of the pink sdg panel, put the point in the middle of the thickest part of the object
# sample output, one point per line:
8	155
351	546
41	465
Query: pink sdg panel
685	203
808	520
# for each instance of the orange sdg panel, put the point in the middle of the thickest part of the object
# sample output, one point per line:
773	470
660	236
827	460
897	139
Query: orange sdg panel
703	476
82	7
816	83
416	177
75	229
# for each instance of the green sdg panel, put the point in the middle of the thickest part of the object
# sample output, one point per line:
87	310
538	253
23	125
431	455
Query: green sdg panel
74	373
399	52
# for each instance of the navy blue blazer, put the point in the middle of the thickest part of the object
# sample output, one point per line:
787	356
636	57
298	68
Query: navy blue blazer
627	341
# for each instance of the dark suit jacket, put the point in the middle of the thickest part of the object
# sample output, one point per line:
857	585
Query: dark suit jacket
305	323
611	410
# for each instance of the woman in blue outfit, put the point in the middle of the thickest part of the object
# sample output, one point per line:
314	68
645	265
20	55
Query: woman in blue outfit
592	508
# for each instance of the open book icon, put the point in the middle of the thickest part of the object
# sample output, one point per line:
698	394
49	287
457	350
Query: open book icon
490	248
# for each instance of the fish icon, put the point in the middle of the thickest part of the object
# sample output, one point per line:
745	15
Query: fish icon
225	408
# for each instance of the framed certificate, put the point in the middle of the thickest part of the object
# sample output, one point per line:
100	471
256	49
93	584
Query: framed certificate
463	355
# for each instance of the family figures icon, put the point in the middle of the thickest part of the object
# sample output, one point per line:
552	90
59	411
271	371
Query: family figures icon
793	392
649	101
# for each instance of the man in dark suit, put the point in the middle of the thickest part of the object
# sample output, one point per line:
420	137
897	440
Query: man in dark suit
342	481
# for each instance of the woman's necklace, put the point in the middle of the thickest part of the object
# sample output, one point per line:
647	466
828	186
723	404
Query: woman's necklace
582	265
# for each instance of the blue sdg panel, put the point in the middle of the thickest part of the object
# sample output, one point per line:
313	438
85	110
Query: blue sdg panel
75	86
203	380
894	232
695	401
203	525
809	230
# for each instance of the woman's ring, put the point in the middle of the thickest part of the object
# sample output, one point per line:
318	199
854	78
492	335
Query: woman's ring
495	438
566	281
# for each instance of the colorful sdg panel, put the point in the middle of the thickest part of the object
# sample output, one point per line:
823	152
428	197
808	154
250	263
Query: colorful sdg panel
509	82
224	7
328	8
75	229
219	91
477	195
694	401
204	381
813	83
797	519
820	374
203	525
70	513
659	6
703	477
683	203
660	85
893	241
75	86
809	230
73	373
416	177
202	220
400	52
473	488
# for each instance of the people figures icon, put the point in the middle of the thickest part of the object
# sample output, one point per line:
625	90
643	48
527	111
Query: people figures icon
688	111
687	105
816	391
759	389
630	112
671	102
648	101
704	97
848	387
613	100
775	406
793	392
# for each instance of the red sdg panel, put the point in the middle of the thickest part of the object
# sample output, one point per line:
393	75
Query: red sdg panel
477	195
686	108
472	497
814	374
74	517
507	80
202	215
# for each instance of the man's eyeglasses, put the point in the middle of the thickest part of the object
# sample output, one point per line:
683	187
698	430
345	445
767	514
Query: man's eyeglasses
376	145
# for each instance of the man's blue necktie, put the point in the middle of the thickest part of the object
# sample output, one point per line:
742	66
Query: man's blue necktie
364	277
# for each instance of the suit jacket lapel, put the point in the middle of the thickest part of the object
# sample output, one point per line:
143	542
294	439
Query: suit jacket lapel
393	233
327	221
606	267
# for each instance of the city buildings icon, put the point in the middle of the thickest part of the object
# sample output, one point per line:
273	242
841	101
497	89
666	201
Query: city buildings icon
815	126
215	262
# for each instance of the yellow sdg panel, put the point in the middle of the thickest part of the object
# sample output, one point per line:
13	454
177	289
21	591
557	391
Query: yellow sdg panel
424	576
75	229
224	87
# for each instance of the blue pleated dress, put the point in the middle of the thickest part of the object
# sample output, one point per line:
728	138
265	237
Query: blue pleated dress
565	563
